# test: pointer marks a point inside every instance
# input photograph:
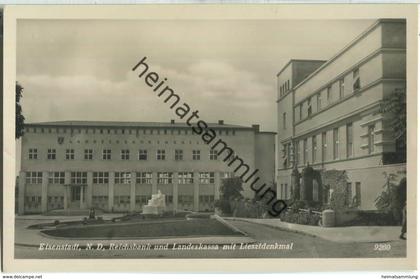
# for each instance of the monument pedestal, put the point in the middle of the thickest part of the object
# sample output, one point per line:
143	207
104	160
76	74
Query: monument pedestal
151	209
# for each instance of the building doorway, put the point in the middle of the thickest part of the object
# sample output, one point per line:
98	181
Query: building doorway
75	193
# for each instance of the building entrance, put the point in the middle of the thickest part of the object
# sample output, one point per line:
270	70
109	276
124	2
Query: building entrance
75	196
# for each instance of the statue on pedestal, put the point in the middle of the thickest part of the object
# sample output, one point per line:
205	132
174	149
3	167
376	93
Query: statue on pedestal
156	205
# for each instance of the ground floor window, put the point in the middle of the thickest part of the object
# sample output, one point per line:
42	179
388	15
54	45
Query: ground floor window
55	202
32	202
185	202
142	199
206	198
100	202
122	201
169	199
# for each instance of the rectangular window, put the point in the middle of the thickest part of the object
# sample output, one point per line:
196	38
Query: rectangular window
356	80
341	86
33	177
305	151
297	147
309	105
161	154
284	120
125	154
289	161
349	195
185	178
185	200
314	149
179	155
358	194
88	154
318	102
300	111
213	154
33	153
144	178
122	178
106	154
349	139
142	154
100	178
336	143
164	177
206	177
282	192
78	178
329	94
284	155
324	146
371	139
51	154
56	177
226	175
142	199
196	155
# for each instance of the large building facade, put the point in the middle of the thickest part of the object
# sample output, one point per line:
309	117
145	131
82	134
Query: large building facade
117	166
329	116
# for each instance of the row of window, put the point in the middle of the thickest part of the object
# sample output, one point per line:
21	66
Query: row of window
284	88
122	131
124	154
309	102
80	178
290	156
58	201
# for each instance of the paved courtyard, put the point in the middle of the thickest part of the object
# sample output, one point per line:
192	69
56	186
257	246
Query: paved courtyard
304	246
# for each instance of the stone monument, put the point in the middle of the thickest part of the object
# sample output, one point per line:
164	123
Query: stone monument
156	205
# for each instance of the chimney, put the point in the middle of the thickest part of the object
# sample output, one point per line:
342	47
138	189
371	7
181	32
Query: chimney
256	127
172	121
221	122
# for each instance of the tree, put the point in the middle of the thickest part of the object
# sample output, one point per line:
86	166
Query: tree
393	197
19	116
396	107
229	191
231	188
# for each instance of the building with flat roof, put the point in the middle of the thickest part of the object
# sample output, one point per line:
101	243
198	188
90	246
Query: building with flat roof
117	166
329	116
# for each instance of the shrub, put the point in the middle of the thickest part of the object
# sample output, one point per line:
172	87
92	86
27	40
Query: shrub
223	205
302	218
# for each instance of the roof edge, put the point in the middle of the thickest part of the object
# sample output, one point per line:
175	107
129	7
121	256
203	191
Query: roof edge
298	60
371	28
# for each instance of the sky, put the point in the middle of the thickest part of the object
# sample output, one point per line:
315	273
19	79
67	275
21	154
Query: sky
226	69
